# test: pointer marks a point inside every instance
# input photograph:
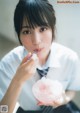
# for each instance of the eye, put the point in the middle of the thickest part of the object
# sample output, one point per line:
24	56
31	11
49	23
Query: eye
26	32
43	29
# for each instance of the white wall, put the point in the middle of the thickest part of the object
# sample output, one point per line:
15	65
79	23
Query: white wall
68	24
6	18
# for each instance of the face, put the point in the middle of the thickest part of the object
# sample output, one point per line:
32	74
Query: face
36	40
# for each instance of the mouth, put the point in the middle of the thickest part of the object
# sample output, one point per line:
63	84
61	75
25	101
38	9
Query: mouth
38	50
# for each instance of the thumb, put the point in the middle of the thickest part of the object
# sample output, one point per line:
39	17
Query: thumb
25	59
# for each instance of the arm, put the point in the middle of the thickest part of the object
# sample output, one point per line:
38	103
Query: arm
24	72
11	96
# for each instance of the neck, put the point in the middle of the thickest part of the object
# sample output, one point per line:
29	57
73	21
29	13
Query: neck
43	60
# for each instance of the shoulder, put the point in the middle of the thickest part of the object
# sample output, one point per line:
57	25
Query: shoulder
64	52
13	58
16	53
10	62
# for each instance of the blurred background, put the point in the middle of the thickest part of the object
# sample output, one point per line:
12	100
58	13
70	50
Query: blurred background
67	27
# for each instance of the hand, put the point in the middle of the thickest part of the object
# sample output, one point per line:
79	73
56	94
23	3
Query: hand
26	69
55	103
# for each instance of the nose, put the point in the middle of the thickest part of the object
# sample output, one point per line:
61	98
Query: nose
36	38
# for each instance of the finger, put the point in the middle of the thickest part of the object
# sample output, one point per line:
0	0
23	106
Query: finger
26	58
56	104
40	103
29	64
53	105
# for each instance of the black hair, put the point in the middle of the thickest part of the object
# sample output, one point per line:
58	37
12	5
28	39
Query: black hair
37	13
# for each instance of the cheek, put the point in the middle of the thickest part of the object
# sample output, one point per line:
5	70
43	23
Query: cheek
26	43
28	46
25	40
48	38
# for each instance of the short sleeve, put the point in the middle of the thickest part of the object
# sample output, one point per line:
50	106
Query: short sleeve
8	67
74	83
4	81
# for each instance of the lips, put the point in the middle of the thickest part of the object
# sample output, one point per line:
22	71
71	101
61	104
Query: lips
38	50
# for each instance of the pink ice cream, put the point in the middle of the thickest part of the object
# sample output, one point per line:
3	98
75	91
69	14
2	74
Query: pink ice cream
46	90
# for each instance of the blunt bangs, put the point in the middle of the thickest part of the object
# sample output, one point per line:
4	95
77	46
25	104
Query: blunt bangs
37	15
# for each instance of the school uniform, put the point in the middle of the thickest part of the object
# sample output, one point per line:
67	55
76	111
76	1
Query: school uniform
63	63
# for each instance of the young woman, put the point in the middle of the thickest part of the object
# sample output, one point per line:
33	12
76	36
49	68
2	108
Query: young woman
34	22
